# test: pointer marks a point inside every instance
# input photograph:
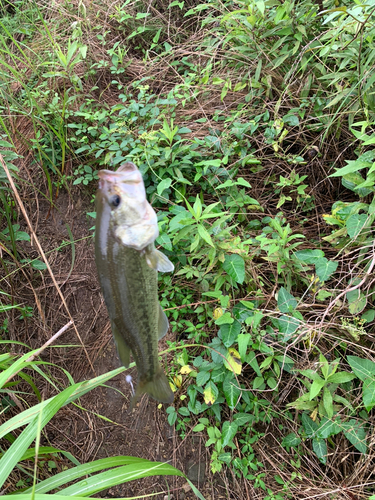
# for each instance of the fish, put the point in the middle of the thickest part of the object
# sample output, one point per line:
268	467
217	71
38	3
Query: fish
128	264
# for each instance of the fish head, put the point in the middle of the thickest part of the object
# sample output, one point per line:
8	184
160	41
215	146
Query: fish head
122	194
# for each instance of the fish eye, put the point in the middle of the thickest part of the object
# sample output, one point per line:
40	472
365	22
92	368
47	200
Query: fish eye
115	201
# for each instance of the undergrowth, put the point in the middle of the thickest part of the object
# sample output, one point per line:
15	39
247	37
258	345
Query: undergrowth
252	123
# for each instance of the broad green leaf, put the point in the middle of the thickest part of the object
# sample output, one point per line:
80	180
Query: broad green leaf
362	367
291	440
285	301
287	325
369	394
229	333
203	376
316	387
325	268
328	402
291	120
328	428
163	185
224	319
38	264
355	434
352	166
320	449
231	392
244	418
368	315
309	425
353	181
165	241
203	233
225	457
309	256
357	301
243	340
341	377
251	359
234	265
355	223
228	432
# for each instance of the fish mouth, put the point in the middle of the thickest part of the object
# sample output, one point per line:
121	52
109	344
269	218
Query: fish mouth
128	173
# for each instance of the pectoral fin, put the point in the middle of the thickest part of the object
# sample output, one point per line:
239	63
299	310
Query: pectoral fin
163	323
158	261
122	347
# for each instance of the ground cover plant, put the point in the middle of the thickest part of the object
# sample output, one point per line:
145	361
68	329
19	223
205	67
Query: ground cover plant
252	123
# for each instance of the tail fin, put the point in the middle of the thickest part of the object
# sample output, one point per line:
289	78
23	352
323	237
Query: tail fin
158	388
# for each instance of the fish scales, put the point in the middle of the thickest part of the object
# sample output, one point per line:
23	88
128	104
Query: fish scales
127	263
136	288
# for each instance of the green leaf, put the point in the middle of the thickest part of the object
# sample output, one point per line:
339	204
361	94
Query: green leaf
352	166
203	233
341	377
184	411
164	241
228	432
224	319
368	315
203	376
243	340
369	394
355	434
355	223
316	387
38	264
287	325
310	427
357	301
234	265
231	393
251	359
363	368
320	449
328	402
163	185
291	120
291	440
285	301
244	418
309	256
229	333
328	428
325	268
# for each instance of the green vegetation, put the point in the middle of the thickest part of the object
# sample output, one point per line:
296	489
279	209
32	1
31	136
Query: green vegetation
253	124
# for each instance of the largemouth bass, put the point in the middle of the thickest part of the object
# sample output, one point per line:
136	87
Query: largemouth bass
128	264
